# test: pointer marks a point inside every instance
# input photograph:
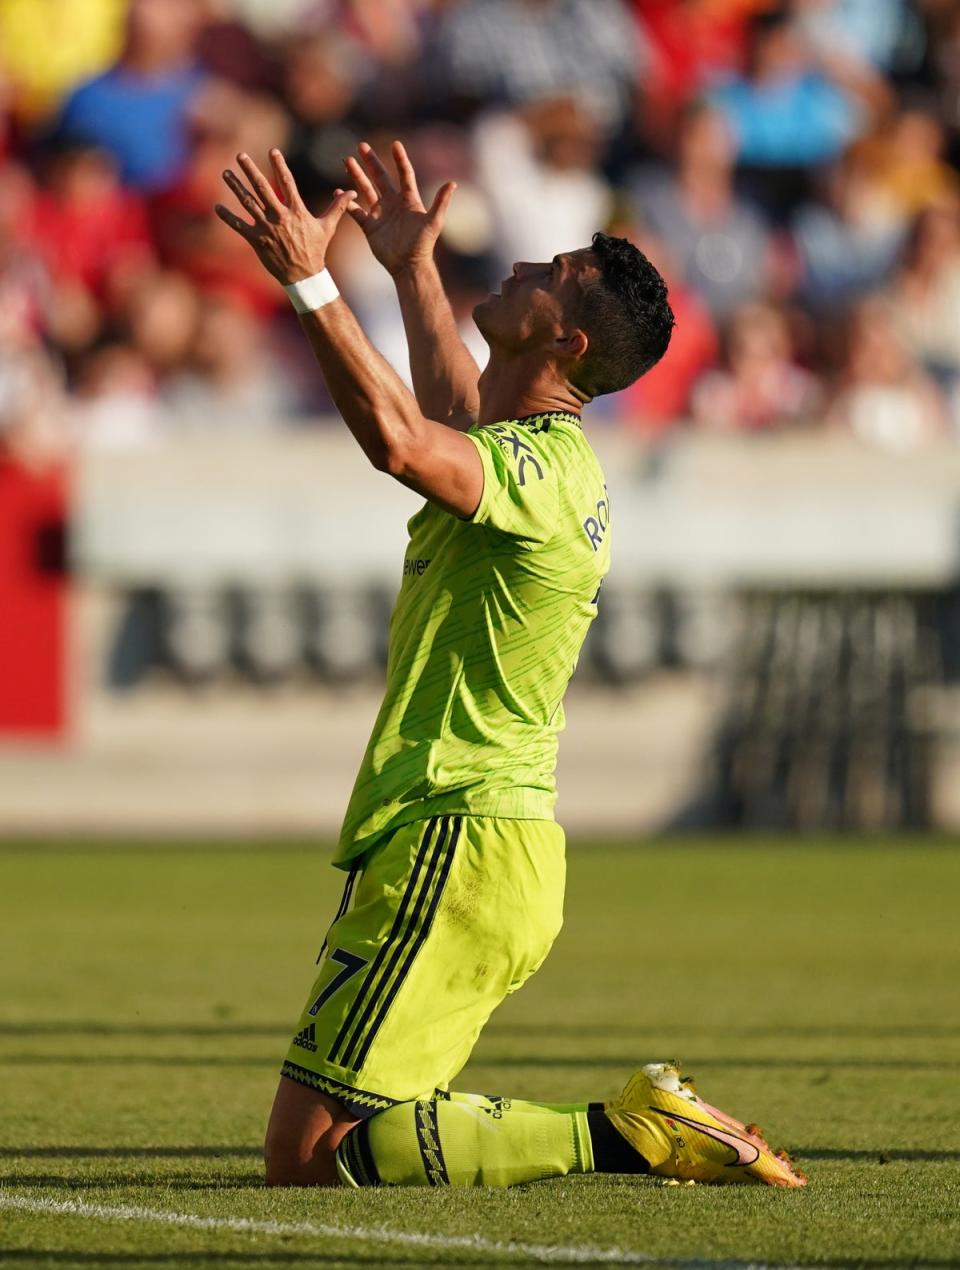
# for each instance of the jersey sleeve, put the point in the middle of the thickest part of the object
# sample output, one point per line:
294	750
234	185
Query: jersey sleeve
520	483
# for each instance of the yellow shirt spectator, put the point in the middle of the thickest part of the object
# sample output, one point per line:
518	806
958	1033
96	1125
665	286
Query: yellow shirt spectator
47	46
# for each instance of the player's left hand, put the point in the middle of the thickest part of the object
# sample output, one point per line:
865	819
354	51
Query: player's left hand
401	230
290	242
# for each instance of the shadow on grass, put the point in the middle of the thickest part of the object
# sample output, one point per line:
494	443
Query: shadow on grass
129	1181
628	1062
126	1153
877	1155
140	1060
64	1256
88	1027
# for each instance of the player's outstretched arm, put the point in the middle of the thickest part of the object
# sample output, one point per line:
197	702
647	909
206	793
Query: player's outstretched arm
291	244
403	234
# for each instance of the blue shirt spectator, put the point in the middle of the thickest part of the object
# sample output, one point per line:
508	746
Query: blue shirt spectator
796	122
140	119
848	243
786	111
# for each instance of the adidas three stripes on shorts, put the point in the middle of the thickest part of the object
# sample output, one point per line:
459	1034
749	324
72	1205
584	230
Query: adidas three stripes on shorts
437	924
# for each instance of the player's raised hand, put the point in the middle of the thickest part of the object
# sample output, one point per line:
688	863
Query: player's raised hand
399	228
290	242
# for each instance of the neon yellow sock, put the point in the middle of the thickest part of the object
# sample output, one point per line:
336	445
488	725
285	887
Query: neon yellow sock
466	1140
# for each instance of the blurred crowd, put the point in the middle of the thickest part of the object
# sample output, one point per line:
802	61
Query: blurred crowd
792	168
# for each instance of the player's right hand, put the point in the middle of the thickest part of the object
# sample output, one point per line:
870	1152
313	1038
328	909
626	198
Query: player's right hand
400	230
290	243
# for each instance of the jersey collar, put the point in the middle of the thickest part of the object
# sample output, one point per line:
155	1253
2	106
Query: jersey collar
541	422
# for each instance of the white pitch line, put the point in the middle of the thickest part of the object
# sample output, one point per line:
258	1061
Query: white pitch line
376	1234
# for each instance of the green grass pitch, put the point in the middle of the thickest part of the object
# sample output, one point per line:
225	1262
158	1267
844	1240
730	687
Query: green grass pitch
148	994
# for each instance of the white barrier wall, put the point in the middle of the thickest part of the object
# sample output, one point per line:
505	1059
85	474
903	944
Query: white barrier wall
306	507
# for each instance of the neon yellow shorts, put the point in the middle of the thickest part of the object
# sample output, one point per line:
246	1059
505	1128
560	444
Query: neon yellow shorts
437	924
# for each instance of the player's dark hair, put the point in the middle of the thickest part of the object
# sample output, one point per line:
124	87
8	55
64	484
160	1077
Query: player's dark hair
626	316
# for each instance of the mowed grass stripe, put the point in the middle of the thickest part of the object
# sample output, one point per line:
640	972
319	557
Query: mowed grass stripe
546	1253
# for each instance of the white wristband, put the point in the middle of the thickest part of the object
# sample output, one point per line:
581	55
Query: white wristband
312	293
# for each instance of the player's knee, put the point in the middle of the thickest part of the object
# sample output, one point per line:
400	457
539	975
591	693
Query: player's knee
295	1155
304	1130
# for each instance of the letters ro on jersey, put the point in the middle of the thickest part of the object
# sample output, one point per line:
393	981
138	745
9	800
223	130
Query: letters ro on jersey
596	524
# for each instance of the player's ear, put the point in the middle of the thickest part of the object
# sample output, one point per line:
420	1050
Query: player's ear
571	345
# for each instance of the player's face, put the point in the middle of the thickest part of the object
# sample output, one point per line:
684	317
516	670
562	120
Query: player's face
537	302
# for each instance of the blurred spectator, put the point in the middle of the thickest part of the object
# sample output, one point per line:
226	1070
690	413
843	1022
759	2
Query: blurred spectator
907	159
227	49
865	31
538	168
945	57
514	51
848	243
792	108
926	295
224	121
48	46
276	19
91	234
25	292
721	245
116	404
692	47
321	79
760	386
32	408
389	32
138	109
6	116
232	382
885	397
159	319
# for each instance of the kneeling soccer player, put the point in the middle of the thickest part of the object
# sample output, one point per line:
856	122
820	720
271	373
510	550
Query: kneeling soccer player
455	866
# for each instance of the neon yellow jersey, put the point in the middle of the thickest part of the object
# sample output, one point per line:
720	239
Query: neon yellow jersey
486	632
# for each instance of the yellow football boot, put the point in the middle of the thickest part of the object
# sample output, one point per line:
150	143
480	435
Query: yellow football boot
683	1137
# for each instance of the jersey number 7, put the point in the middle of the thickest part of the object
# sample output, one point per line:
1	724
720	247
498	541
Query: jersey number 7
351	965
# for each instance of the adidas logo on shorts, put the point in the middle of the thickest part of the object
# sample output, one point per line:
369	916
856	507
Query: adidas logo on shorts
307	1039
